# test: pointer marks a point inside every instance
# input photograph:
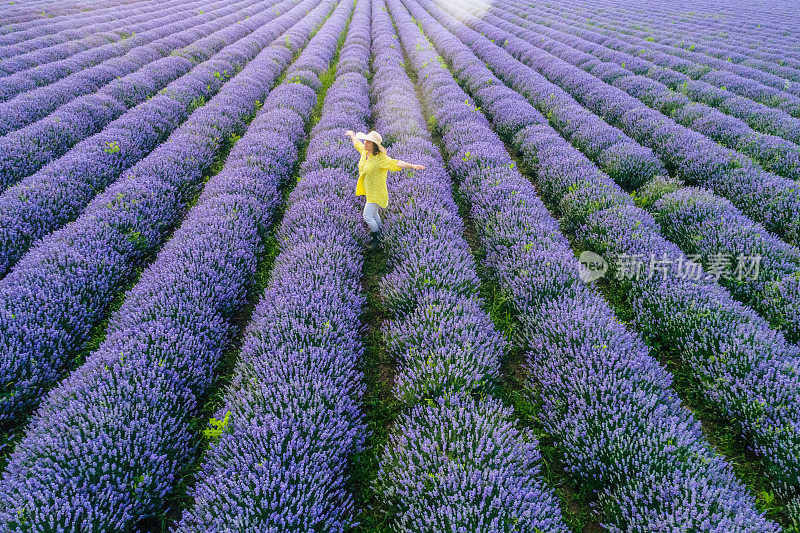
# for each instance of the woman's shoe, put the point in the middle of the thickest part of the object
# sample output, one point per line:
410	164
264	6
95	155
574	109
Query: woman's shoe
375	243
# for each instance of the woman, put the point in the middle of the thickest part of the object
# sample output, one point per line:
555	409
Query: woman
372	169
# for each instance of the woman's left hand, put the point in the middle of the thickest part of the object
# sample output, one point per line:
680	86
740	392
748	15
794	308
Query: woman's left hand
419	167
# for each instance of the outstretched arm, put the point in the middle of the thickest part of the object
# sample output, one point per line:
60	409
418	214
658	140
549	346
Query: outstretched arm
356	143
403	164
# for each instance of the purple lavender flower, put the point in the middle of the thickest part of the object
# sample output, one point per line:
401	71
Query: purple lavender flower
576	343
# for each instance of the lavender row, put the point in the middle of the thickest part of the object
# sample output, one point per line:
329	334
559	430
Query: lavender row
54	83
767	198
28	149
664	56
293	421
628	73
773	153
48	199
63	286
664	101
16	18
744	368
736	50
758	116
77	27
775	293
442	340
755	54
711	228
769	18
615	440
445	344
38	102
719	69
162	349
614	152
30	14
14	58
770	22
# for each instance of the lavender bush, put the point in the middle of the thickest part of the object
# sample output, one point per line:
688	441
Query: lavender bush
65	283
137	394
294	419
91	33
28	149
763	196
164	162
59	192
445	344
577	344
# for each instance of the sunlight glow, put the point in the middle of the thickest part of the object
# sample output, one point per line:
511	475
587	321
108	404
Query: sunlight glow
475	7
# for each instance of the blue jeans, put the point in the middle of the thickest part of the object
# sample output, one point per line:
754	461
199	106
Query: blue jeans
371	216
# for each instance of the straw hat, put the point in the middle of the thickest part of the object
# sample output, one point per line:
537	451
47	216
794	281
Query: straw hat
373	136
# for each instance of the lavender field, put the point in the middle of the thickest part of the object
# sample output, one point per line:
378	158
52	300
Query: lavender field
583	315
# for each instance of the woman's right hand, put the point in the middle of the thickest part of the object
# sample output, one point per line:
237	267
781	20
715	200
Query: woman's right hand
350	133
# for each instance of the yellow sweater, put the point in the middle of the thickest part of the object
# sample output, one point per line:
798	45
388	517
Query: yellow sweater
372	175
